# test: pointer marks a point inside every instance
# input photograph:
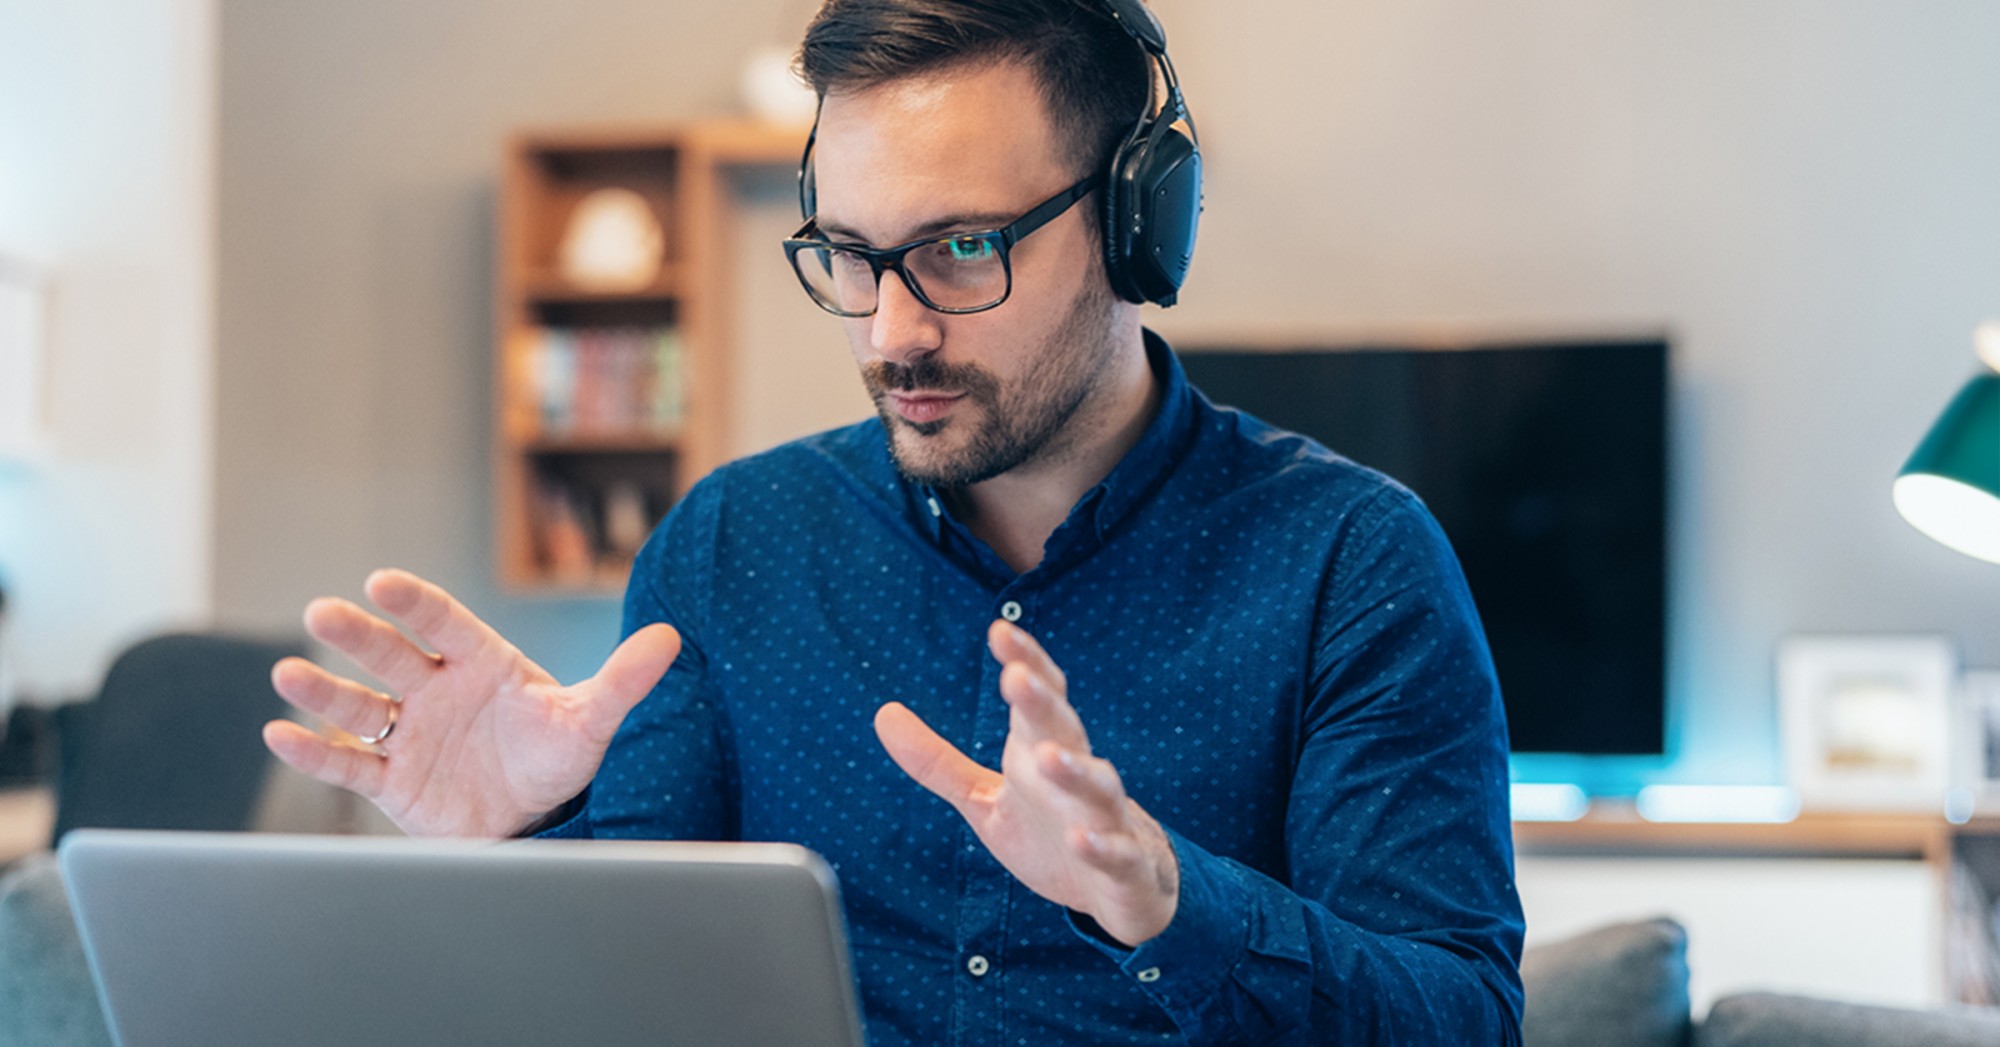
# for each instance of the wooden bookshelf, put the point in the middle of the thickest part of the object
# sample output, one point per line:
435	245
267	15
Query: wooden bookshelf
575	481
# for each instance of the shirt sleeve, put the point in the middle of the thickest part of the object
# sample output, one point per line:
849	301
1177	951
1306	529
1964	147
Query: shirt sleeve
1400	922
668	774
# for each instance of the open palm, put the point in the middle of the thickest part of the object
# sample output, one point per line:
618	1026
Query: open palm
481	741
1056	816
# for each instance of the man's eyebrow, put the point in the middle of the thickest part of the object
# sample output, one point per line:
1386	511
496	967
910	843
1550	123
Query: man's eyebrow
975	222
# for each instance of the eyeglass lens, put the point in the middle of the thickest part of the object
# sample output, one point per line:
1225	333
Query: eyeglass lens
967	272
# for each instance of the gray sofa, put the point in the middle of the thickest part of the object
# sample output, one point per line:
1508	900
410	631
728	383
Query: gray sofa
1620	986
1626	985
46	998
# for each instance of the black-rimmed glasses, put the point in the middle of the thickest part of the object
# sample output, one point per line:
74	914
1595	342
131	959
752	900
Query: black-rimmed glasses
953	273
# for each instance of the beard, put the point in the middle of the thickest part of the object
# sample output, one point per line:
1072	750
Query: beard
1005	427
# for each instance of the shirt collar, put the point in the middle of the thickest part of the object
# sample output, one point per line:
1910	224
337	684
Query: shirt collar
1134	477
1150	460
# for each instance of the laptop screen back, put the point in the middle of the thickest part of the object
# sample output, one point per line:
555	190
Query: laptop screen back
204	939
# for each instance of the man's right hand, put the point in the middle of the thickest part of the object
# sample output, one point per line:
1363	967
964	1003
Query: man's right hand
485	742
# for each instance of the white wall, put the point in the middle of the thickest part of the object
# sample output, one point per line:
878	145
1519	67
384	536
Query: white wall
1862	930
106	158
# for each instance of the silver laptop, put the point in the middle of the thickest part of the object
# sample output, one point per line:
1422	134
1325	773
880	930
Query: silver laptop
214	939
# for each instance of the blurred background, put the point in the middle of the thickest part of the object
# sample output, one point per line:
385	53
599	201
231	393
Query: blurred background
265	235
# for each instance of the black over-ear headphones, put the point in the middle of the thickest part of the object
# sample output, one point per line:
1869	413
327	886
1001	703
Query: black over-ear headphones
1152	186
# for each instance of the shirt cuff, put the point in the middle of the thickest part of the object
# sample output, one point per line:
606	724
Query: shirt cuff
1183	967
568	822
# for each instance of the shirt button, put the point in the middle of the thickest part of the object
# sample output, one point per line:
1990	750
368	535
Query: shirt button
1010	611
936	510
1150	974
978	966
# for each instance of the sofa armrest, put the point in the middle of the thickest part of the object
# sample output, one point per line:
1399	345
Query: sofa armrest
1625	985
47	998
1762	1019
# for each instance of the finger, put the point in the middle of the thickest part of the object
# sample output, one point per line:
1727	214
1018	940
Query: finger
936	764
1093	783
1040	712
374	644
631	673
1118	854
433	614
346	767
1010	643
339	701
1035	687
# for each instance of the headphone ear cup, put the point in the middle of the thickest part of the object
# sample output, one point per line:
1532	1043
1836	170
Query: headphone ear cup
1152	208
1119	221
1165	195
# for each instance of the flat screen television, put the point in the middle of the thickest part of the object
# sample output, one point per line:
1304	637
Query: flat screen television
1546	465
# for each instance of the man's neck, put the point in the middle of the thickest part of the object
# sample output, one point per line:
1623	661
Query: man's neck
1017	511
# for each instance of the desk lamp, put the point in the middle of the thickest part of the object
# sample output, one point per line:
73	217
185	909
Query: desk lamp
1950	487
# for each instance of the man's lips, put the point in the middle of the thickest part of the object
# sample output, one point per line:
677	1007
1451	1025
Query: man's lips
924	407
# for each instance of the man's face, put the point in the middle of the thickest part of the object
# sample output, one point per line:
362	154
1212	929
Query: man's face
968	397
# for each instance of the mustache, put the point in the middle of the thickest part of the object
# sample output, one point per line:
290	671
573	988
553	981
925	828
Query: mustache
930	374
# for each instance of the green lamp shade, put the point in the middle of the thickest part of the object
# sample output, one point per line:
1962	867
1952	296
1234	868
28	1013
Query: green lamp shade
1950	488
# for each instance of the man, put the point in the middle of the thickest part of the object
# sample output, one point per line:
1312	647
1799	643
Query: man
1209	705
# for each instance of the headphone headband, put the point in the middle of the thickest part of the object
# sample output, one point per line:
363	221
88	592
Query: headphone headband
1137	19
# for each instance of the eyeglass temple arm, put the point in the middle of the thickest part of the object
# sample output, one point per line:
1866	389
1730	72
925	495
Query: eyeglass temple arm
1050	208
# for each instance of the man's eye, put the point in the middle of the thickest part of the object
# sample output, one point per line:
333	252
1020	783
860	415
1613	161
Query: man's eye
969	249
848	261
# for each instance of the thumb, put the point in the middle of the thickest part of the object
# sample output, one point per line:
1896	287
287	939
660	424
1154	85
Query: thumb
936	764
631	673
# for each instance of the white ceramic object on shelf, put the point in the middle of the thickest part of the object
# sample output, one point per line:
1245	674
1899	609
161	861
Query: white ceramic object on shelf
613	242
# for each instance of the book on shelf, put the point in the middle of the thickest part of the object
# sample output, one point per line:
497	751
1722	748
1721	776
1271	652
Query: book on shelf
563	542
607	381
590	534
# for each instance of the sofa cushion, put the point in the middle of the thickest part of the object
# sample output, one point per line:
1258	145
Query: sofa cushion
1773	1020
1619	986
47	998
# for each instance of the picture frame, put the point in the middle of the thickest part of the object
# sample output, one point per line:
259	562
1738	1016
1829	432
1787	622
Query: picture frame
23	339
1865	720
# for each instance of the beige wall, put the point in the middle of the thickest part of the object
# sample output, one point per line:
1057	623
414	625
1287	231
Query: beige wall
1800	192
359	146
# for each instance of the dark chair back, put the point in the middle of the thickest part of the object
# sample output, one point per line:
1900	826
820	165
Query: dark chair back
172	741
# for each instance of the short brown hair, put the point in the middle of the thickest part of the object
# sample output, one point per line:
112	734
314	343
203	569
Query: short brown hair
1096	80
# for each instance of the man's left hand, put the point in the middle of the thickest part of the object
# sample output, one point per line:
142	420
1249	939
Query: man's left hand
1056	816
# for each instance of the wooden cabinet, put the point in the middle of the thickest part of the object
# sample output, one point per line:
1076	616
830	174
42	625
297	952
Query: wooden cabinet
611	403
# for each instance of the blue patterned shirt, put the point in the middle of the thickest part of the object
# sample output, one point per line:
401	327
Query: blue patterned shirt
1273	645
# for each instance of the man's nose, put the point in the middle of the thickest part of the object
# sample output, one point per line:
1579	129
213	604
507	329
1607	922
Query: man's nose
902	327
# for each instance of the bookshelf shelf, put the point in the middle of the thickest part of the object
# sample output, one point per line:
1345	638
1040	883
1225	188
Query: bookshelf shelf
624	443
1610	831
545	289
611	404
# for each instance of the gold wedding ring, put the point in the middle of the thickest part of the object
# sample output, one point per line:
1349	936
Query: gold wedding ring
395	708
